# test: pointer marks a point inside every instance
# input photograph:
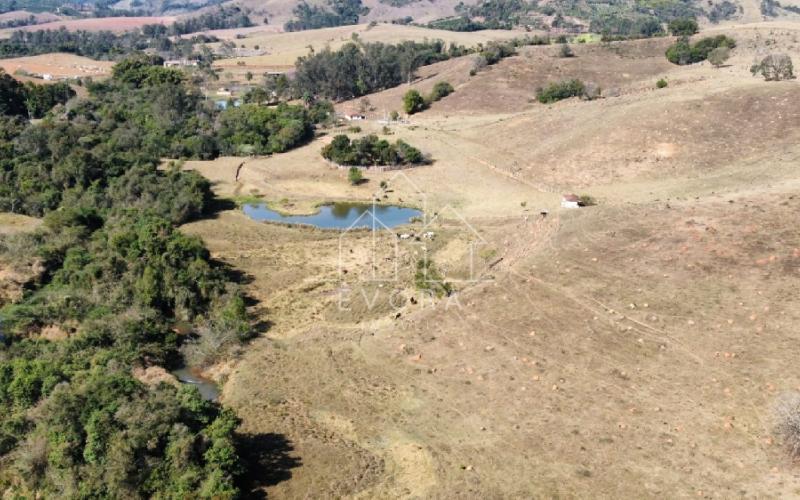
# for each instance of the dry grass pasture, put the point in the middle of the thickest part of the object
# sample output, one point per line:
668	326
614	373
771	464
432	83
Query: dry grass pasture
631	349
281	50
59	65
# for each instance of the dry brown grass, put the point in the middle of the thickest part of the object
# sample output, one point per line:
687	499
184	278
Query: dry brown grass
59	65
633	349
283	49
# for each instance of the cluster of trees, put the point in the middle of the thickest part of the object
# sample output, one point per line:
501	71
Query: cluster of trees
414	102
358	69
29	5
370	150
337	13
223	17
488	14
96	44
561	90
615	25
30	99
684	26
144	109
116	276
616	20
458	23
253	129
104	8
108	45
500	13
19	22
685	52
723	11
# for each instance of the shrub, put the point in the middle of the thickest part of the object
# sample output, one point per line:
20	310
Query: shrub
565	51
394	115
495	51
683	27
718	56
413	102
441	89
774	67
788	423
428	278
591	91
558	91
354	176
661	83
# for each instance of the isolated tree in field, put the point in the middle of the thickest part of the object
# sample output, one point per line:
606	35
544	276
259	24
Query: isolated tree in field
413	102
683	27
248	76
774	67
355	176
564	51
718	56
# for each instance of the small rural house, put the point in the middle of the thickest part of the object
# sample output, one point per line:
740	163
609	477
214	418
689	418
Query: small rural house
178	63
570	201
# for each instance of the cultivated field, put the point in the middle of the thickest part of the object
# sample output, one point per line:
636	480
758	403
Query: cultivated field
631	349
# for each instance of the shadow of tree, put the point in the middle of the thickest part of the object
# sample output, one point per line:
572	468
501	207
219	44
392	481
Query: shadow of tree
269	461
216	205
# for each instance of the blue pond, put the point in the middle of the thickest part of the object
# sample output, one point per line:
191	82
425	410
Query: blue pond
339	216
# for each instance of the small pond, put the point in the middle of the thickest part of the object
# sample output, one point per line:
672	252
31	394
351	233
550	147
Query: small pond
207	388
339	215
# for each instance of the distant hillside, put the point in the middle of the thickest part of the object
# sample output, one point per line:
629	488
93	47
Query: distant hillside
106	8
617	17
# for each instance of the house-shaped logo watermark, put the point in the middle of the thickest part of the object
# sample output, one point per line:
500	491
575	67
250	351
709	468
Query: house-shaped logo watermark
383	252
448	217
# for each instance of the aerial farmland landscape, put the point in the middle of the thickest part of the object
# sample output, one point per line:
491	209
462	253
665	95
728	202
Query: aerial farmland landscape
399	249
